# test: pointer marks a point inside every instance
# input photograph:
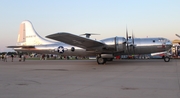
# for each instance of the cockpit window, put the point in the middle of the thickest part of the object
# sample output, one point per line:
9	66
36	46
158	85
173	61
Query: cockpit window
161	39
167	40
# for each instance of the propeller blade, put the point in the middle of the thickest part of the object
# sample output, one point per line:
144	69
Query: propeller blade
127	34
133	42
127	43
177	35
132	38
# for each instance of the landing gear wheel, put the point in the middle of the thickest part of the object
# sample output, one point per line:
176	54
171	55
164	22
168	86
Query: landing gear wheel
166	59
101	60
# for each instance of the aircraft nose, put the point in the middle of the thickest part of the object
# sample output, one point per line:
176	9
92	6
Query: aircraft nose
168	44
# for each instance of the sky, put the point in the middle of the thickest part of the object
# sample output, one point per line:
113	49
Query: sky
109	18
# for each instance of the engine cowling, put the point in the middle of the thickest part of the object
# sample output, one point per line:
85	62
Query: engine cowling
116	44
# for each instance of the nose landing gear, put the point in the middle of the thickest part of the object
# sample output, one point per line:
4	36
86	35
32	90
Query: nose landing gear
166	59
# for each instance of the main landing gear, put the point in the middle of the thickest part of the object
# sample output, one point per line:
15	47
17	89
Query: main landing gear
101	60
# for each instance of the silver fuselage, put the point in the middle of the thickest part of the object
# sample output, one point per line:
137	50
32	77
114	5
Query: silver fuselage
140	46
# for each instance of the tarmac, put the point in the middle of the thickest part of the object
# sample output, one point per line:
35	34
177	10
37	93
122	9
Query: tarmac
152	78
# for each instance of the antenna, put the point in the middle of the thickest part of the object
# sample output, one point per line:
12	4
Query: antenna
89	34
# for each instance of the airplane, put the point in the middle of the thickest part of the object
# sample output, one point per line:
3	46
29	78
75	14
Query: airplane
68	44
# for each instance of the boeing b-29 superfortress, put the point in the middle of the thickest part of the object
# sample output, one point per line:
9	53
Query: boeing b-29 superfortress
68	44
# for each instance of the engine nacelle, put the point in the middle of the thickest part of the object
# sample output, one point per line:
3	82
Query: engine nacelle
117	44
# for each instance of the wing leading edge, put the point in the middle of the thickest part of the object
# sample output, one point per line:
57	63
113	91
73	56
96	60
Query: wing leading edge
75	40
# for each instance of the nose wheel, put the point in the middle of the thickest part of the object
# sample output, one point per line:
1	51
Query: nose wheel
166	59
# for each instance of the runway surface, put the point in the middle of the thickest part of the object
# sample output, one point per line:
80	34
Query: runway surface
86	79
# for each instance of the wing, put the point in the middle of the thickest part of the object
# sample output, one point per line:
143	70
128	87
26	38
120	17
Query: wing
75	40
20	46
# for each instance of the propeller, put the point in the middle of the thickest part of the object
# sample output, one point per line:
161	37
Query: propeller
177	35
130	45
133	45
132	38
127	34
127	43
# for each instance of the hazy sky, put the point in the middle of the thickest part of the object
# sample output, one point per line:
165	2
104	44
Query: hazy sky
152	18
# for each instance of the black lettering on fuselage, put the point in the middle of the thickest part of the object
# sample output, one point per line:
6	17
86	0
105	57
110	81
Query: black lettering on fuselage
31	36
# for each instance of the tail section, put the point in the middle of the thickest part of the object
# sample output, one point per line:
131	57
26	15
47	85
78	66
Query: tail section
28	36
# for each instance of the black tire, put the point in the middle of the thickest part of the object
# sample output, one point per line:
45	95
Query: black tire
101	60
166	59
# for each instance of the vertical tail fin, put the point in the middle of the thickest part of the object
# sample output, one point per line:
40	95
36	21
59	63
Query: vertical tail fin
28	36
21	35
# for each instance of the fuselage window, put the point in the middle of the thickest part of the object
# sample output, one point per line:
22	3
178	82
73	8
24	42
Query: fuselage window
153	41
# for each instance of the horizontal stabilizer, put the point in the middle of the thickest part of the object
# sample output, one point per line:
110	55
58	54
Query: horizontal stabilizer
20	46
75	40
